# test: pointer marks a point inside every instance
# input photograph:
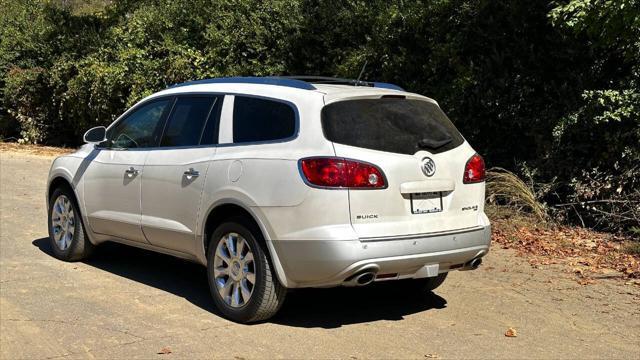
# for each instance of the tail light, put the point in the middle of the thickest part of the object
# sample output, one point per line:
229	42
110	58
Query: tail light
474	171
333	172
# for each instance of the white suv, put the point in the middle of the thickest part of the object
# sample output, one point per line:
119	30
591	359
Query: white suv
277	183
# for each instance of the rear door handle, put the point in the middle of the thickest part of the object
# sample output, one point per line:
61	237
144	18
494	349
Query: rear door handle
191	173
131	171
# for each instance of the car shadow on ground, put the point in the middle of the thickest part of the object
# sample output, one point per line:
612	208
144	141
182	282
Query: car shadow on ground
308	308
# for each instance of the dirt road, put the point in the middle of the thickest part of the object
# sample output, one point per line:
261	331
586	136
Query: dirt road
127	303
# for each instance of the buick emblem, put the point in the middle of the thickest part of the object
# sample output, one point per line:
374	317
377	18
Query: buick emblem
428	166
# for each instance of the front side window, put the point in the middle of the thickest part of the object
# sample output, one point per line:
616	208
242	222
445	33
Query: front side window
256	120
186	124
141	128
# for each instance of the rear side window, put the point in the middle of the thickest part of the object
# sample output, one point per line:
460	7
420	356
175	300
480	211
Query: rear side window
395	125
186	124
256	119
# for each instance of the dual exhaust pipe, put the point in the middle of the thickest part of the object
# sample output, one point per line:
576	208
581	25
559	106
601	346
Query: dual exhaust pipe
366	277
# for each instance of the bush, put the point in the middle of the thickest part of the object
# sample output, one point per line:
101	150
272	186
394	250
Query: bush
550	84
26	91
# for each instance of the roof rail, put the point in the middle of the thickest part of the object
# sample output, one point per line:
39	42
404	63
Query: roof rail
342	81
269	80
298	82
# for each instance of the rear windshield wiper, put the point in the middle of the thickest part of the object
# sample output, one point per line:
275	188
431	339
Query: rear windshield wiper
433	144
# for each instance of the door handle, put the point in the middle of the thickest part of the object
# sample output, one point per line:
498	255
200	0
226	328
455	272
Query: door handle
131	171
191	173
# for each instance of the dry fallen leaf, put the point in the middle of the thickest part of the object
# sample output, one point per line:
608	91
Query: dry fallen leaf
585	281
164	351
582	251
511	332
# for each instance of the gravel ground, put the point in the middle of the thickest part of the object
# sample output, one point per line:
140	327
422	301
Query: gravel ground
130	303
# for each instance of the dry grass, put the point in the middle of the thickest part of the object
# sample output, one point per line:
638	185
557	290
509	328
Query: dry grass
632	248
504	187
37	150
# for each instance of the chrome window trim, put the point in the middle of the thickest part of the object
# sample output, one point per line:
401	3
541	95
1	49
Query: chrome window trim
204	93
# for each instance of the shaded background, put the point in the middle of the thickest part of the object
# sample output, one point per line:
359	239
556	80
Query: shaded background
547	89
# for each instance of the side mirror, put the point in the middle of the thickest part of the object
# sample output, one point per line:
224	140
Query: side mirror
95	135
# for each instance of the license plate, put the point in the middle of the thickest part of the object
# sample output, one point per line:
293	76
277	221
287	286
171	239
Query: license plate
426	203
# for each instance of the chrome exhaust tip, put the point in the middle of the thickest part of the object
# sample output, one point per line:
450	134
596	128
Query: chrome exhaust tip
473	264
365	278
360	279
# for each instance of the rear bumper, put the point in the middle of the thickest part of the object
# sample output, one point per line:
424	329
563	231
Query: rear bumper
325	263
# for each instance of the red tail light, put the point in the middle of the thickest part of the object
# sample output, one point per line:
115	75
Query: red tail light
474	171
341	173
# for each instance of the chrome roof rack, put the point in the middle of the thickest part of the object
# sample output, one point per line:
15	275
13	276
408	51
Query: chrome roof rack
268	80
342	81
298	82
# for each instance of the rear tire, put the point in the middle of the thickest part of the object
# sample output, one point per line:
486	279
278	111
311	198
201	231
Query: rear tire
69	242
241	280
420	285
432	283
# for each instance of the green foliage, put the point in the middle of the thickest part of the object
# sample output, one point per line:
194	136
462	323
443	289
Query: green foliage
614	24
25	93
596	148
550	84
98	64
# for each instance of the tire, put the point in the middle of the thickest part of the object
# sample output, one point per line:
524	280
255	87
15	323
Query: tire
420	285
432	283
69	241
230	279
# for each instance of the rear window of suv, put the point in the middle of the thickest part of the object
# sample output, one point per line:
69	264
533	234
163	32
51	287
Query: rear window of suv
395	125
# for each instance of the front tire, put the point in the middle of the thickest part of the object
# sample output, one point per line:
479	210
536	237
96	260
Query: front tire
242	283
69	241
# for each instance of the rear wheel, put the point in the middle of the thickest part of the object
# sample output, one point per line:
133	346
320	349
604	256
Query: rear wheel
432	283
241	279
420	285
69	241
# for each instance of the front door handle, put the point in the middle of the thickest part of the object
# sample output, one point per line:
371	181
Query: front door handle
191	173
131	171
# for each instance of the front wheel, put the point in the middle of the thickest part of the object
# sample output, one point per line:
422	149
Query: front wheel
241	279
69	241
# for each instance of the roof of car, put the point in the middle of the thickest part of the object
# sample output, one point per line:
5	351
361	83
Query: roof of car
298	82
332	88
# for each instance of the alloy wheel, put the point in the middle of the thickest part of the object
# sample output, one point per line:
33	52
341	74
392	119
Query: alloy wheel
63	222
234	270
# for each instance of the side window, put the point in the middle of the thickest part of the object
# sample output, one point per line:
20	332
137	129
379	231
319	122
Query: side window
140	129
187	121
256	119
210	132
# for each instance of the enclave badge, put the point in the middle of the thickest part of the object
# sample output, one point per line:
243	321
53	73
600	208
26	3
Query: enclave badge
428	166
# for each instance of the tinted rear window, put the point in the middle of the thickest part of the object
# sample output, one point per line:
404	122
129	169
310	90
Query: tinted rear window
393	125
256	119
